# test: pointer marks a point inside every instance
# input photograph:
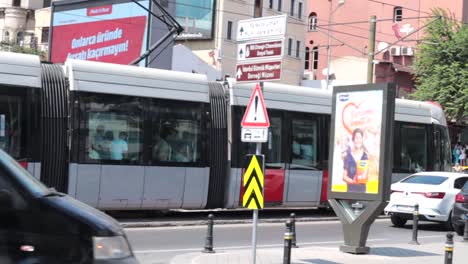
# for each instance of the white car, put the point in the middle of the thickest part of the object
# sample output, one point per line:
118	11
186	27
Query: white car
434	192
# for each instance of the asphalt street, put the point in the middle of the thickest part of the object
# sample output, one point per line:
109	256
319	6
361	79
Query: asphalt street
160	245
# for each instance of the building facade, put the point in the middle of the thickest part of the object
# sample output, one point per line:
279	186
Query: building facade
18	23
344	26
221	50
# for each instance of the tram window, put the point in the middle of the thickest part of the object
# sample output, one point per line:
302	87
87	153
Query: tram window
10	125
113	129
446	155
177	134
274	151
304	143
413	148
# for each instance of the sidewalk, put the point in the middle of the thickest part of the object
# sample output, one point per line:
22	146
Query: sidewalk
430	253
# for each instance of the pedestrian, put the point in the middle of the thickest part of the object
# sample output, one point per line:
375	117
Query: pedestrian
119	146
456	153
462	156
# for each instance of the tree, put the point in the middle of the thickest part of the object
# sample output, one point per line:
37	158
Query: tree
441	66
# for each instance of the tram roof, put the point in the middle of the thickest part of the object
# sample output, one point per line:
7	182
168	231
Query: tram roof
98	77
285	97
419	112
311	100
20	69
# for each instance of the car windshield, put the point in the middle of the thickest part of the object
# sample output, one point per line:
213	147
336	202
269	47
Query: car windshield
425	179
23	176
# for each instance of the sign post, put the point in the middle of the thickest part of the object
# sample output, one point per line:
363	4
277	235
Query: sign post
360	165
255	125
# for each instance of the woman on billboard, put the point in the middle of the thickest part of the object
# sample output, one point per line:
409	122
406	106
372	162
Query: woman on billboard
356	167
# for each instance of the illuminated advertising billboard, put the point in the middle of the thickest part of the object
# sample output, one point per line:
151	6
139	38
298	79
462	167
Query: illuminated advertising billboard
196	17
105	31
357	142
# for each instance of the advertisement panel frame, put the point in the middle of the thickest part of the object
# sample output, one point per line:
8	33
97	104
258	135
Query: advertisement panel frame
386	139
81	4
357	211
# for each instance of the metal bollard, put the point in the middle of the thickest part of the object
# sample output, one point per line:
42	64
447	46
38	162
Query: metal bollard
209	236
288	236
414	241
465	232
293	229
449	249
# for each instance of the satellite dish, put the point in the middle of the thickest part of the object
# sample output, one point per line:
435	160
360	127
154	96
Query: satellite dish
383	46
325	71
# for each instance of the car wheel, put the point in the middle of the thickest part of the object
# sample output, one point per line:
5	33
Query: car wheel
459	229
398	221
448	224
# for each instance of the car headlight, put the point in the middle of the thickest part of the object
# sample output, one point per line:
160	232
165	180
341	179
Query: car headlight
110	247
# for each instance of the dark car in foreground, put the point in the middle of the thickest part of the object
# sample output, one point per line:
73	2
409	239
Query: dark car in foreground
460	210
41	225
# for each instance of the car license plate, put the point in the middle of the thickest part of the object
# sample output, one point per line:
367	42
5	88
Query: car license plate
405	208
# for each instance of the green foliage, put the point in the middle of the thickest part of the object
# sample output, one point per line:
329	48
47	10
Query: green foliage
441	66
6	46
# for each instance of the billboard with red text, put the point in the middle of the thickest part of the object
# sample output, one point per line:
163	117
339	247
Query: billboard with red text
106	31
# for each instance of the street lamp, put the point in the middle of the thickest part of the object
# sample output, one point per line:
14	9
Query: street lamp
330	21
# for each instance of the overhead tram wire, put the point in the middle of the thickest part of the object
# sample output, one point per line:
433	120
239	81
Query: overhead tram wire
348	45
415	10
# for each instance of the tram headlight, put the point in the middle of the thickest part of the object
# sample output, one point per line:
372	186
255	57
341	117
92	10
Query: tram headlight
115	247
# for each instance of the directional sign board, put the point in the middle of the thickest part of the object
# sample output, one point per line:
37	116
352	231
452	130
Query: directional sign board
256	115
259	71
253	182
260	50
261	27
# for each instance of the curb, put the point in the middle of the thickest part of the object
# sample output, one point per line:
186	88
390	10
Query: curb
226	222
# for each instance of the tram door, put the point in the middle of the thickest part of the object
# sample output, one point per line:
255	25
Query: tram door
274	161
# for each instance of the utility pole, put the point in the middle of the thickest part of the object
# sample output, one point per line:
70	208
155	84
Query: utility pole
370	62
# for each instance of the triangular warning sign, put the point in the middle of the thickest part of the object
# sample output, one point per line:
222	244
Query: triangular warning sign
256	115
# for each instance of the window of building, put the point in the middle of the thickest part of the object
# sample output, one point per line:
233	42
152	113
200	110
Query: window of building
299	10
291	8
315	56
270	4
7	36
47	3
304	143
280	5
45	35
313	22
397	14
113	129
298	49
20	38
16	2
307	58
258	8
229	30
290	43
177	133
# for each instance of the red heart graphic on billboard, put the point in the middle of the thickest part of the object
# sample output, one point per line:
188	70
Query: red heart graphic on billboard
348	115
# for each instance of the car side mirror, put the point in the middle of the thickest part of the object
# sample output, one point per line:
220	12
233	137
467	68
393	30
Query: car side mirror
6	200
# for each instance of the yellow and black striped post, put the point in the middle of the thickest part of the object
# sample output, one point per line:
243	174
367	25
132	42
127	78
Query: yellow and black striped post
253	183
449	249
